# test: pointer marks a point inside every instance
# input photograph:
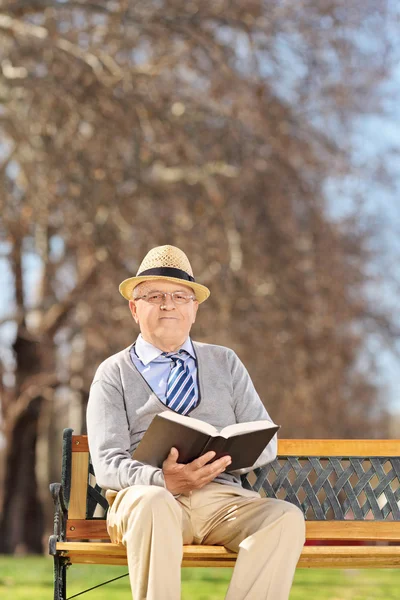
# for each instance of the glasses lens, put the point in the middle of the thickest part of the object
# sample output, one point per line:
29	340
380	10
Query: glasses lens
155	298
181	298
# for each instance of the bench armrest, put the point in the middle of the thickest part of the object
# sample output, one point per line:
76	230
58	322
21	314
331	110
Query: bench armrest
60	517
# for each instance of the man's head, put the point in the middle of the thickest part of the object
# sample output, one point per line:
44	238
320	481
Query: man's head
164	297
164	311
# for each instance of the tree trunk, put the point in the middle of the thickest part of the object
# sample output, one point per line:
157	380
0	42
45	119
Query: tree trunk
21	523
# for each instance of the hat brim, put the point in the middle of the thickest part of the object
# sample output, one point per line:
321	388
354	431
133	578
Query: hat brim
128	285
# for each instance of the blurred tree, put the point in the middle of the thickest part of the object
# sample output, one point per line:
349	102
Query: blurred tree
213	126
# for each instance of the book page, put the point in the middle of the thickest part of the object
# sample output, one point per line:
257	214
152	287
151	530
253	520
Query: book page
238	428
190	422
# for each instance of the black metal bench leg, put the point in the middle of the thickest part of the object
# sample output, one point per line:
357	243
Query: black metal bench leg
60	577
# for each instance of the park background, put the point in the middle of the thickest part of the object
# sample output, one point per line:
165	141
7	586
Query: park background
262	138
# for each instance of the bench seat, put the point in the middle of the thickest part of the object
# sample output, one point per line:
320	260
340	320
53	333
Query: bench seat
340	557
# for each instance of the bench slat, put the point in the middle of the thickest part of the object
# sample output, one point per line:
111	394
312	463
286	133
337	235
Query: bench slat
306	447
218	556
312	447
80	443
316	530
79	481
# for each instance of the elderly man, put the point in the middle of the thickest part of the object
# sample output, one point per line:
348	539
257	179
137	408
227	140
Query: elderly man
153	512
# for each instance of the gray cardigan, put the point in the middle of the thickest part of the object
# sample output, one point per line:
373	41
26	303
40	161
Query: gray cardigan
122	405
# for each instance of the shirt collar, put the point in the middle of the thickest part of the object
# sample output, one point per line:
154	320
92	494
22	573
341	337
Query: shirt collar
146	352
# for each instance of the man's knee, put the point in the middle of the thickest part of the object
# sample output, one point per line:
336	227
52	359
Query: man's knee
143	507
141	501
288	514
294	518
291	509
149	497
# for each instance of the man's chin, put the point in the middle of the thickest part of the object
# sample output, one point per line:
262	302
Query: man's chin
167	328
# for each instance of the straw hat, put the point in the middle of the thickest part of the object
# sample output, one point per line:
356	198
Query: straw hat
165	262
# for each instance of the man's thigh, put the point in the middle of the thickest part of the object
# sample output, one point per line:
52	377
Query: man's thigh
147	502
225	515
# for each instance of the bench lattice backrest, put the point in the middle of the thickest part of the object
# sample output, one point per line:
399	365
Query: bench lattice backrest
355	488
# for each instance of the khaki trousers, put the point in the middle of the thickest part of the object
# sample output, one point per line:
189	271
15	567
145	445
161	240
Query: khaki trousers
153	525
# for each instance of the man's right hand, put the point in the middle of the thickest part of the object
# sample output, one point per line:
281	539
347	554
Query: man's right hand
181	479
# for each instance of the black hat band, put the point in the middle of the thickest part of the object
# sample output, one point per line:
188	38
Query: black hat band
167	272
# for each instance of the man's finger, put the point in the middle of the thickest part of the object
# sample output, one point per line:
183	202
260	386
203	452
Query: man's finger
217	467
198	463
222	462
210	472
172	456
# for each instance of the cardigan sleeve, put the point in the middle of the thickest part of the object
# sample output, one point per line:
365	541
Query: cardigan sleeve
249	407
109	441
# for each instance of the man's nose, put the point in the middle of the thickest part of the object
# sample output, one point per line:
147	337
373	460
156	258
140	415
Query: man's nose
168	302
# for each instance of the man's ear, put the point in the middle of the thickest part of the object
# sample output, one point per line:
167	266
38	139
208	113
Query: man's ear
196	308
132	308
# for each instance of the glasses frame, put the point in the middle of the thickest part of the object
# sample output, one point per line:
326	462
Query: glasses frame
164	297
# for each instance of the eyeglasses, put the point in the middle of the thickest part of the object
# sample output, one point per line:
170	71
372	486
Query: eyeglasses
160	297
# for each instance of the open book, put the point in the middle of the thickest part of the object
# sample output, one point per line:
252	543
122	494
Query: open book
244	442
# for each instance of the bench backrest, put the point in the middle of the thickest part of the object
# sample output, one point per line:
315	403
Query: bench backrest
347	489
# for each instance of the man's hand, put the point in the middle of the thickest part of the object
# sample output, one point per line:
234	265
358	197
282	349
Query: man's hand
181	479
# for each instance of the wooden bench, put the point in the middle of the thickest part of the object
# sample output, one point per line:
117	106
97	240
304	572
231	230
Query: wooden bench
349	491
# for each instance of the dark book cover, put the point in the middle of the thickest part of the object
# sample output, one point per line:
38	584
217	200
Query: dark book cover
244	448
163	434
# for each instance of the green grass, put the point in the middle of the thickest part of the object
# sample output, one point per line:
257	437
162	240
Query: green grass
32	578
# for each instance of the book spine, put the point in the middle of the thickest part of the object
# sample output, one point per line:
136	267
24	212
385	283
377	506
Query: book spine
218	444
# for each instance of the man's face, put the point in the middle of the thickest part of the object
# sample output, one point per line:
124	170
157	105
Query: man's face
169	325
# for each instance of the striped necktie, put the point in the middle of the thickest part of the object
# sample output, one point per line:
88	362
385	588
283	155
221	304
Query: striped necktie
181	393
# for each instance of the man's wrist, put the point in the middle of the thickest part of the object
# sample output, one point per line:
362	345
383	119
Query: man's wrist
164	483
